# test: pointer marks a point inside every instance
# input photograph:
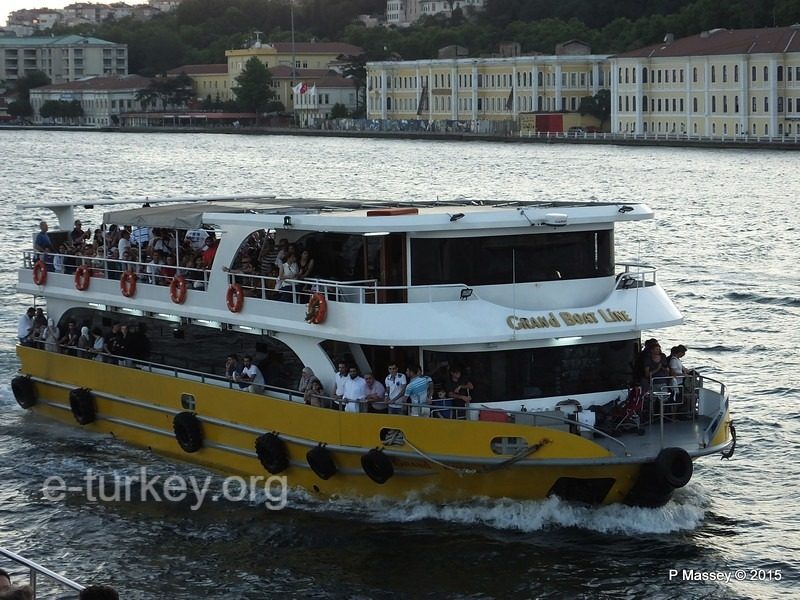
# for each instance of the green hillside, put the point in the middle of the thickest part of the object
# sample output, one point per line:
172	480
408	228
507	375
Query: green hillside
201	30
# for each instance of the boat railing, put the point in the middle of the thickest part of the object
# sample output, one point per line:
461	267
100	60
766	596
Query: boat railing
361	291
634	275
35	569
114	268
686	397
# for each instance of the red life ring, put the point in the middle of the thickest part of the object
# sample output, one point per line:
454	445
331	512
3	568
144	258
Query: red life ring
82	277
127	283
234	298
177	289
40	272
317	309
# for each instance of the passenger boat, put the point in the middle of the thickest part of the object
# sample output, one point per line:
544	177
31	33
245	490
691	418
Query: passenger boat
524	297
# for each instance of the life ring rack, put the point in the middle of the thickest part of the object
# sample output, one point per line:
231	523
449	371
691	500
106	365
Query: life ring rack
82	277
40	272
127	283
317	309
177	289
234	298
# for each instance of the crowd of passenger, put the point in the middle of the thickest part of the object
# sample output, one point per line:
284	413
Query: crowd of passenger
263	267
276	271
122	344
445	395
155	255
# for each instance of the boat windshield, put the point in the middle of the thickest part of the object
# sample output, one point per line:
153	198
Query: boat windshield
512	258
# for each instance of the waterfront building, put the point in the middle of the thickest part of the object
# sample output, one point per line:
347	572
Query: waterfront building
207	81
291	64
719	83
487	89
102	99
317	101
64	58
402	13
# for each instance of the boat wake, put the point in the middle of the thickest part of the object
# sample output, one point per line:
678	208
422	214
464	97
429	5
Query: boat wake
685	512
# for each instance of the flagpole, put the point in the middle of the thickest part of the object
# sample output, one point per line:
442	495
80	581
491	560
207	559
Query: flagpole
294	62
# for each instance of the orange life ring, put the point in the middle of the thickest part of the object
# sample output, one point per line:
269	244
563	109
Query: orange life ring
127	283
177	289
317	309
82	277
235	297
40	272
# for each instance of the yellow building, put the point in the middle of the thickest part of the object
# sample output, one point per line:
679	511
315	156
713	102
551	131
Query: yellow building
309	58
720	83
207	80
485	89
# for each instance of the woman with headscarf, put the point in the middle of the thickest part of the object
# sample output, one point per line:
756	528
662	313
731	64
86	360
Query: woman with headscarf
50	336
85	342
305	379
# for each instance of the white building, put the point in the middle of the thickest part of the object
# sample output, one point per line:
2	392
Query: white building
63	58
719	83
403	13
103	99
322	94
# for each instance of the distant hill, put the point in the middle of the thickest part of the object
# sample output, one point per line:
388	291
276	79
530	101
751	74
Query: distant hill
201	30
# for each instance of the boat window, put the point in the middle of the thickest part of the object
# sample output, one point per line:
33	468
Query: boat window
344	257
512	258
540	372
195	347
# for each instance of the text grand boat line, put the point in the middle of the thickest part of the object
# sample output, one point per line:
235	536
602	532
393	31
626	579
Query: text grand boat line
440	350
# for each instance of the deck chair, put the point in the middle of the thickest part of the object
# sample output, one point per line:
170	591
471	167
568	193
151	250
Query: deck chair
627	415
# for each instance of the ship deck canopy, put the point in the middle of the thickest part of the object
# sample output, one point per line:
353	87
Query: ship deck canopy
190	215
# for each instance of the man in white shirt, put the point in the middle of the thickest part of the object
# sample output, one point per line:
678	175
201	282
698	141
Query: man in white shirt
341	377
354	392
395	390
252	374
25	327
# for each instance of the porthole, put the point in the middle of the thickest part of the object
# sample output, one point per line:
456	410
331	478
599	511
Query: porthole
187	401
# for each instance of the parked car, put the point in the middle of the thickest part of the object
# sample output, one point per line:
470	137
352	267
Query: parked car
576	131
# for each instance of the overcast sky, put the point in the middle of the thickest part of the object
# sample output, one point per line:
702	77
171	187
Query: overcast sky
8	6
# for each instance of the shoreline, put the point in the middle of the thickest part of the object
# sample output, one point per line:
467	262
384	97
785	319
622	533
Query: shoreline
600	139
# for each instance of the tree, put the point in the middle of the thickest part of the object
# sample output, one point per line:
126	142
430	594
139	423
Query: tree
61	109
22	107
253	91
338	111
598	106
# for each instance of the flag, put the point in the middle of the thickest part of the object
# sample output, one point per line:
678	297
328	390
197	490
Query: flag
313	90
300	88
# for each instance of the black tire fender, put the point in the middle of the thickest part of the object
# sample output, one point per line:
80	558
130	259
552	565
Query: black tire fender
81	401
674	466
272	453
321	462
188	431
24	390
377	466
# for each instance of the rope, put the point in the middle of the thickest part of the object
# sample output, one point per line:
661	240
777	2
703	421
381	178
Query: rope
523	453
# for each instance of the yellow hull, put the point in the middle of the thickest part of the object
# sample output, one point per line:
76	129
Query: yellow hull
440	460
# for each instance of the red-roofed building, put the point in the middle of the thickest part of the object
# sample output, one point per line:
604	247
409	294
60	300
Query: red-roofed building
208	81
103	99
719	83
312	60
